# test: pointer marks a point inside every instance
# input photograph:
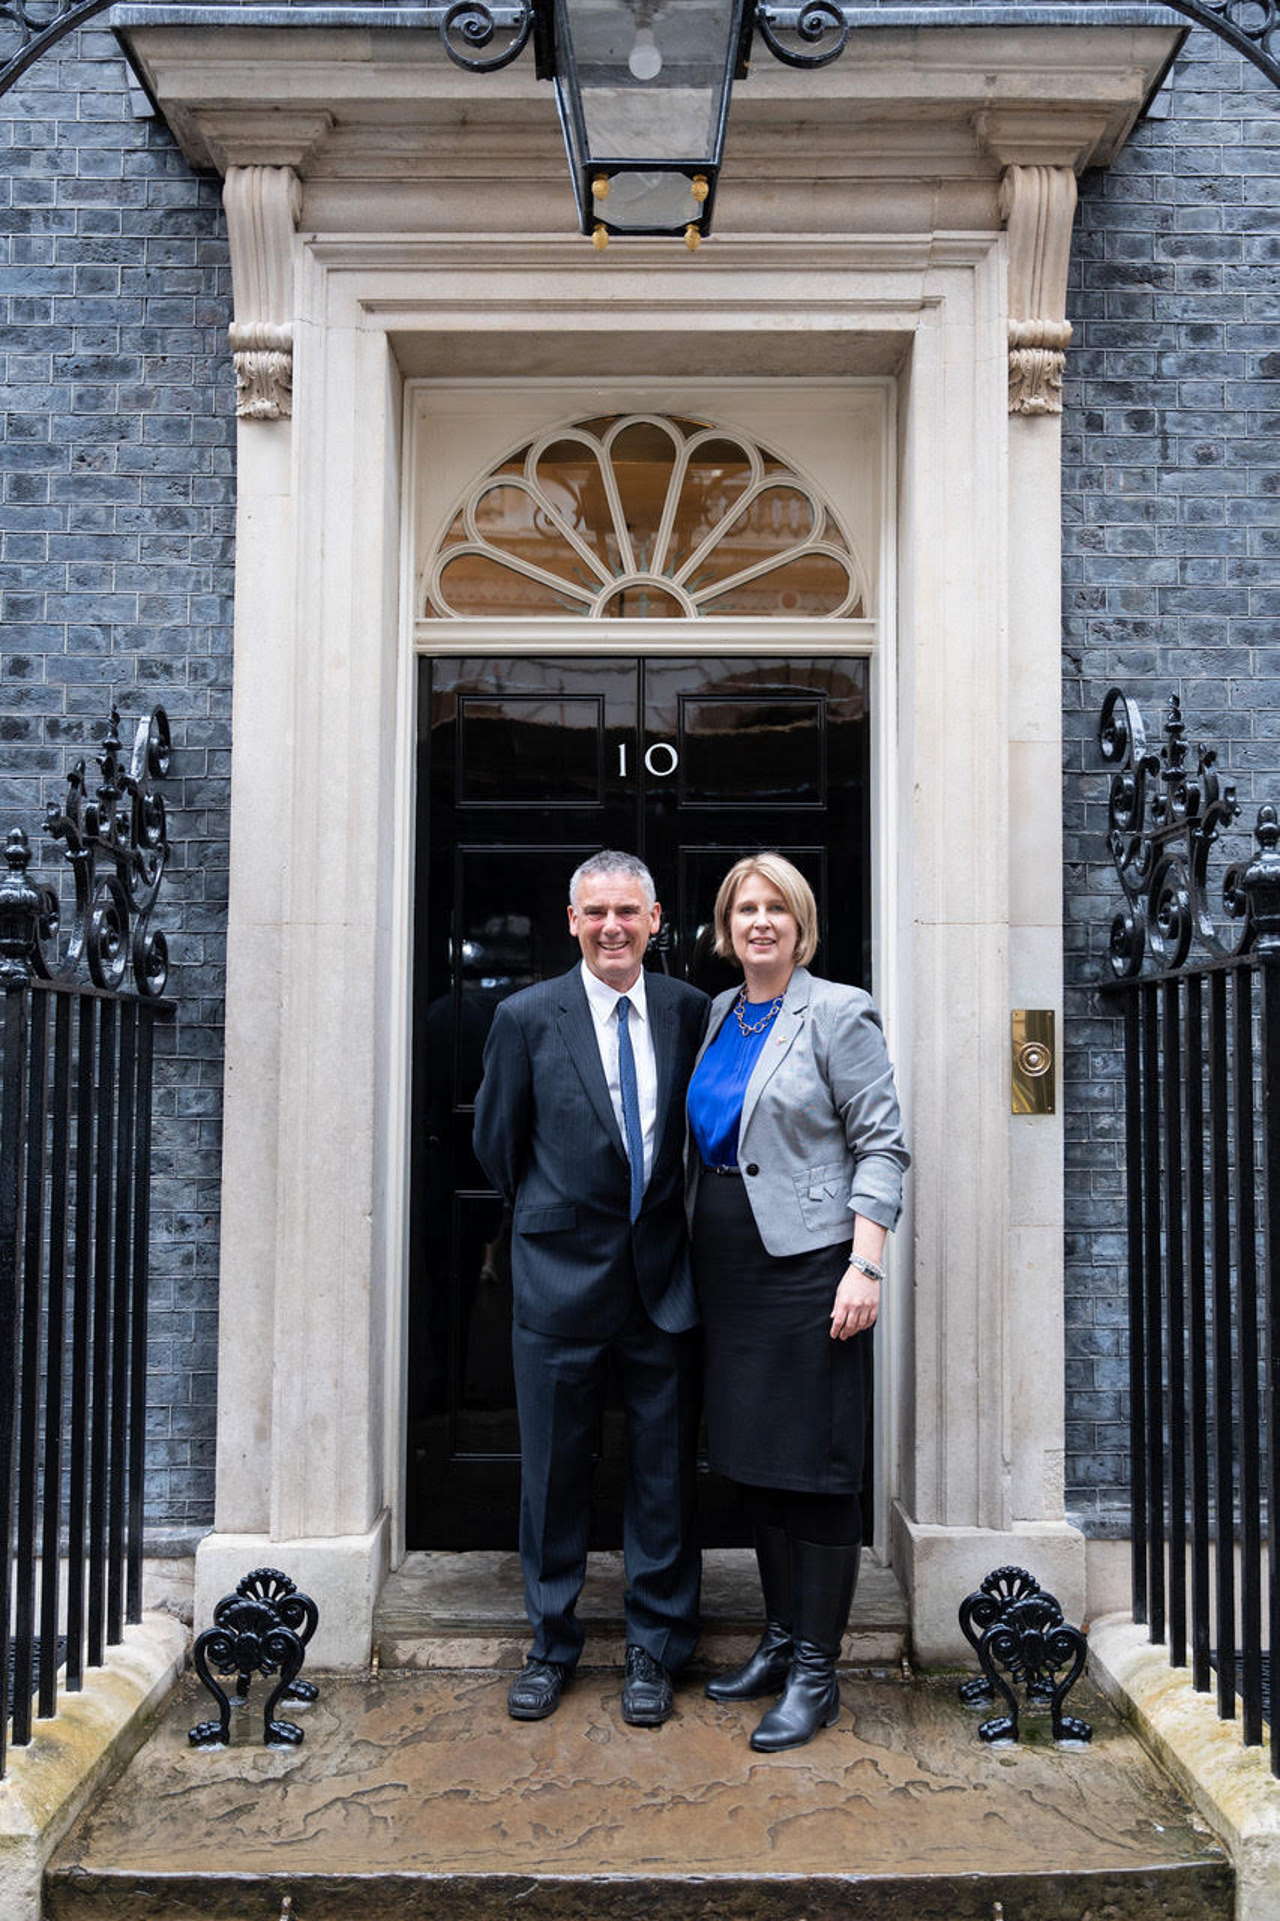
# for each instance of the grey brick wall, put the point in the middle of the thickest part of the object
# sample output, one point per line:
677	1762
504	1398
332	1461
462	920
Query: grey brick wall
116	522
1170	585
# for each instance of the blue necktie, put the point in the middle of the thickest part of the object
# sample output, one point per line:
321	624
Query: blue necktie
630	1106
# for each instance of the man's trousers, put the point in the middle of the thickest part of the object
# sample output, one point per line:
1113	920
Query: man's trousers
560	1392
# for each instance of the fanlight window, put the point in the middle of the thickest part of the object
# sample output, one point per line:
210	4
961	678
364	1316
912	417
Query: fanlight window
641	516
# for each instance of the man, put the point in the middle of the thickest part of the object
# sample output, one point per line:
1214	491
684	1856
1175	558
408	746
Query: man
580	1127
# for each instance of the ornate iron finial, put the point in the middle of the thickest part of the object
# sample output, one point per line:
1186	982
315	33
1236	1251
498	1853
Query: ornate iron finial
1252	891
1164	821
19	914
117	848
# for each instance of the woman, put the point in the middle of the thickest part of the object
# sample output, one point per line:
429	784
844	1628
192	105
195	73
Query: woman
796	1165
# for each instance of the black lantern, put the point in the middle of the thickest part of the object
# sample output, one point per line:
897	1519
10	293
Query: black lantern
643	91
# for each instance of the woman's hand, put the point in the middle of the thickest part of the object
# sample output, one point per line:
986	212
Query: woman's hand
857	1301
856	1305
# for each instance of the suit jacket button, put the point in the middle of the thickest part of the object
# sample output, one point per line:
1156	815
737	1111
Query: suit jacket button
751	1168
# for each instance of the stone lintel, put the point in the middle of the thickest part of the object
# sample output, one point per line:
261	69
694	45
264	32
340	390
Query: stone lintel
1039	88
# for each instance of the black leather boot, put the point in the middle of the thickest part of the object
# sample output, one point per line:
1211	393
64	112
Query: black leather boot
766	1670
822	1584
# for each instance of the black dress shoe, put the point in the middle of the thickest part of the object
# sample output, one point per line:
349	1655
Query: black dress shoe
535	1692
647	1694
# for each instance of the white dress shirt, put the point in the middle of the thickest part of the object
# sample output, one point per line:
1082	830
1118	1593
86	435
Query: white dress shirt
603	1002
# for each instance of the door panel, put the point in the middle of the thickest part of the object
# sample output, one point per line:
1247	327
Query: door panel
525	767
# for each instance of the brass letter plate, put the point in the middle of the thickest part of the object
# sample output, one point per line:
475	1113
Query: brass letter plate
1034	1066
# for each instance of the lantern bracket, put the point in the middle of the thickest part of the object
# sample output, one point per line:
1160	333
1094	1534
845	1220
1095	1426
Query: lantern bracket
469	27
813	22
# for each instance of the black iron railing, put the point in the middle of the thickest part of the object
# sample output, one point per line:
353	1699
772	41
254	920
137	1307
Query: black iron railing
79	997
1202	1152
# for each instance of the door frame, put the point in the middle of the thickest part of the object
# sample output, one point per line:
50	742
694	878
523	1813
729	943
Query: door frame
873	638
312	1217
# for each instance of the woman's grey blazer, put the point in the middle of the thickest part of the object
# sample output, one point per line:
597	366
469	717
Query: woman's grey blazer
821	1133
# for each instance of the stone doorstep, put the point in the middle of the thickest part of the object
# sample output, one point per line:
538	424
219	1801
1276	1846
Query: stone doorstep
467	1611
879	1654
415	1798
1231	1786
1158	1894
70	1759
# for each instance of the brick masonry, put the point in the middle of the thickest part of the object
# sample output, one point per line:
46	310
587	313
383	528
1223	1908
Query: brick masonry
1171	532
116	516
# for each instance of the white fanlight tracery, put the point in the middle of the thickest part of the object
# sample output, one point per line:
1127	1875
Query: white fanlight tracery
644	515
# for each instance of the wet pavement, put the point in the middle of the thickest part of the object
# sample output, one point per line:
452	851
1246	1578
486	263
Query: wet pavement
415	1798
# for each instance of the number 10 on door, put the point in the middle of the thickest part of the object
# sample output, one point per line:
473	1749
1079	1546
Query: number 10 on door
660	759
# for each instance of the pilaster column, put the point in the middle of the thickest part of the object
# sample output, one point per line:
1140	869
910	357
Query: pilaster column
1037	199
989	1390
297	1485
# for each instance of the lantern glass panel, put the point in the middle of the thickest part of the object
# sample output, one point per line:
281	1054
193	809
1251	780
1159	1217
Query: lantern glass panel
650	199
652	76
643	82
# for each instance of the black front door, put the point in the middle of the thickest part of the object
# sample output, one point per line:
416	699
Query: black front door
525	767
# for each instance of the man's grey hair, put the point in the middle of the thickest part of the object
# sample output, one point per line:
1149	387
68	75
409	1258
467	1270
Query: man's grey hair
610	862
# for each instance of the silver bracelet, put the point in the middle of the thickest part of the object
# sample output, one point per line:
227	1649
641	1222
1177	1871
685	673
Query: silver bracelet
872	1270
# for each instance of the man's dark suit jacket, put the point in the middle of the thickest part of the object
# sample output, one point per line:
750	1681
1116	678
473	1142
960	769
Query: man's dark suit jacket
546	1136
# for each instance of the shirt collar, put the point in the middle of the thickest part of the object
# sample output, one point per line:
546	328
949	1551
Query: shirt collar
602	999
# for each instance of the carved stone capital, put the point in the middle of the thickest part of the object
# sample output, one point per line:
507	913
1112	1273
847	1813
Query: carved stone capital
264	371
1037	362
1038	205
255	136
1052	135
262	205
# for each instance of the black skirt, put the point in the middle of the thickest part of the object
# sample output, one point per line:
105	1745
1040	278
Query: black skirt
786	1406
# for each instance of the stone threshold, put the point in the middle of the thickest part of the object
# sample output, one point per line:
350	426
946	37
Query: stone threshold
1231	1786
415	1798
467	1611
49	1782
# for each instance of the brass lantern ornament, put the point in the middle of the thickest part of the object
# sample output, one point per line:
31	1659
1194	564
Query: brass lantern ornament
642	88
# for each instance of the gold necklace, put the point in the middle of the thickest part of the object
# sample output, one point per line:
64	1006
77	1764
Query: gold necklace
754	1027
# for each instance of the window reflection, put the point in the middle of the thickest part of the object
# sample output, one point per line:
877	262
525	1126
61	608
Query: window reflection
528	762
644	517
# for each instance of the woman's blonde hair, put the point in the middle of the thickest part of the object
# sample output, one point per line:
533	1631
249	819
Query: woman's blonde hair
794	889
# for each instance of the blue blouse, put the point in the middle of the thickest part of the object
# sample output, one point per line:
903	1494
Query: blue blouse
719	1085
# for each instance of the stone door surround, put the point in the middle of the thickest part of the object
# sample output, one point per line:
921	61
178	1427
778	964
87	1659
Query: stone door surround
390	218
